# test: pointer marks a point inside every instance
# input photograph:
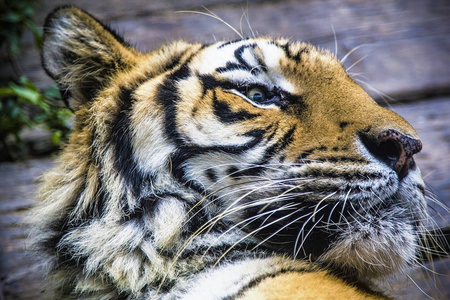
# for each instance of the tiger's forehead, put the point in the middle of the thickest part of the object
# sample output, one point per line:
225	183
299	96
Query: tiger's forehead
249	50
249	61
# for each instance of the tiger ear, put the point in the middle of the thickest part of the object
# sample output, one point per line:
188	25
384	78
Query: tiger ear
81	54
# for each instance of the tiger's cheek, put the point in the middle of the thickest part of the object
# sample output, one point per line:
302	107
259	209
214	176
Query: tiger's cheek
151	147
211	117
195	117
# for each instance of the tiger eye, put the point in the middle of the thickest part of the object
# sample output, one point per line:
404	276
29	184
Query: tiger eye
257	95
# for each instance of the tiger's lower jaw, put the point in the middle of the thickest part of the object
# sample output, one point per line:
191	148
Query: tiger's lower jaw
368	256
371	257
364	247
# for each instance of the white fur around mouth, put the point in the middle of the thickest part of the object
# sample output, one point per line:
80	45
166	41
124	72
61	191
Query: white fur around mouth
359	251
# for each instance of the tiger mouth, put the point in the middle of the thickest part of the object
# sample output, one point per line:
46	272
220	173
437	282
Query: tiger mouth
345	241
311	224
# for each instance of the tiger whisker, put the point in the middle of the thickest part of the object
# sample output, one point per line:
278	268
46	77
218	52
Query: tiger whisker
257	202
386	98
245	185
283	227
248	235
245	14
298	246
343	205
357	62
331	214
322	200
438	203
421	290
211	14
284	193
249	221
228	211
350	52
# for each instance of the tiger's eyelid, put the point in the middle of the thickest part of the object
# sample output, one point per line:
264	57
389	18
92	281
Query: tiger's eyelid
248	86
270	94
243	88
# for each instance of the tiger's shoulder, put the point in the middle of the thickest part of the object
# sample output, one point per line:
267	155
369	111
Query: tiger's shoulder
310	285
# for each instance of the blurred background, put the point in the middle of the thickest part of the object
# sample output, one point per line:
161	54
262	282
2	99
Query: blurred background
398	50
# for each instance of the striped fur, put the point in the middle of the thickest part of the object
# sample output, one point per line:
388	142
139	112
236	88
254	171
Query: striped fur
179	182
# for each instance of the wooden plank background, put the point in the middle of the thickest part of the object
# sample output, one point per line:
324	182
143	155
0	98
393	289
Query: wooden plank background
404	51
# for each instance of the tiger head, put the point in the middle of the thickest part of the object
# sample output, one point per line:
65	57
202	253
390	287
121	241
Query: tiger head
267	143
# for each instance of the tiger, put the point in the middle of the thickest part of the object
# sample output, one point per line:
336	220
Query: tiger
254	168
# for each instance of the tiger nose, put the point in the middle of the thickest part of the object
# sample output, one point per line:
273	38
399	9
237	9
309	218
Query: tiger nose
394	149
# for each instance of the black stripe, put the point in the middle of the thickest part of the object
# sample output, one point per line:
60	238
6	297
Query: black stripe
168	96
345	159
294	56
124	162
242	63
212	175
238	54
211	83
306	153
280	145
223	111
120	136
252	171
96	206
175	61
232	171
184	153
61	253
57	229
230	42
232	67
348	176
163	287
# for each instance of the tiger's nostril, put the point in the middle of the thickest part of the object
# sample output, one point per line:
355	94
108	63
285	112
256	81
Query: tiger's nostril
394	149
390	151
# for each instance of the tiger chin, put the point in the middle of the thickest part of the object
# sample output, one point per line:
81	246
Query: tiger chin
246	169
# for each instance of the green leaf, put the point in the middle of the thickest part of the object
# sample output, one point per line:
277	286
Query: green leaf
12	17
28	10
26	93
22	103
6	91
52	92
28	83
56	138
15	43
16	112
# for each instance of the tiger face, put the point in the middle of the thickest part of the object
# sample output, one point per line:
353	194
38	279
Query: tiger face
290	150
251	148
